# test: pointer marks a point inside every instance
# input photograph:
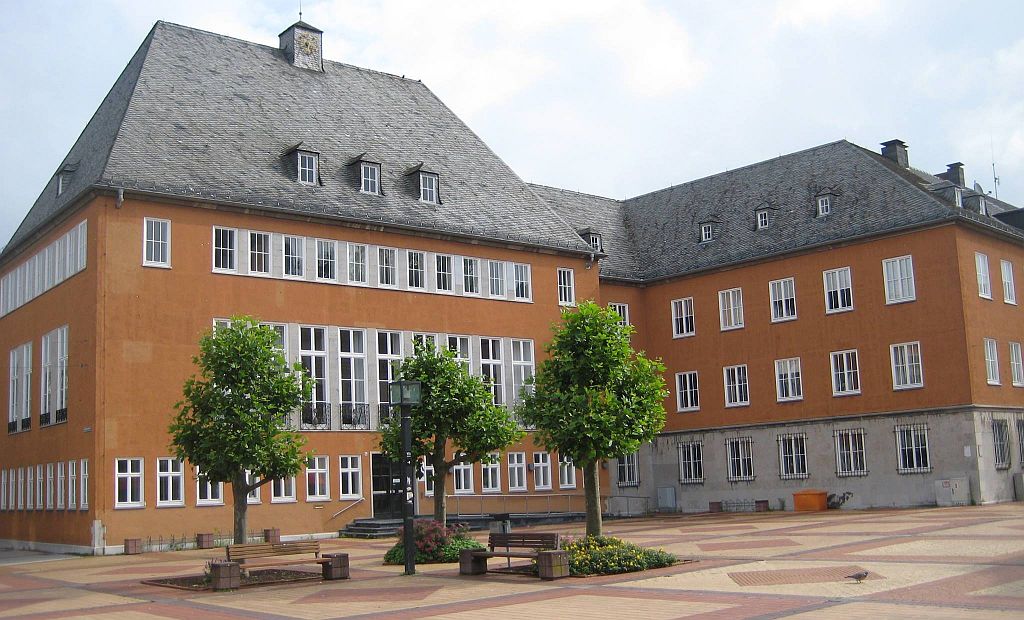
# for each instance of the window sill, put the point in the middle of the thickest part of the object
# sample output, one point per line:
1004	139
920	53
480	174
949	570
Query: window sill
157	265
129	506
677	336
839	310
921	470
742	479
208	504
852	474
317	500
896	302
903	388
181	505
794	399
290	500
794	476
784	319
730	406
733	328
844	394
701	481
688	410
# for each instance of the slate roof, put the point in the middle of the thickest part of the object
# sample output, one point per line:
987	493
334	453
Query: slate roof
201	115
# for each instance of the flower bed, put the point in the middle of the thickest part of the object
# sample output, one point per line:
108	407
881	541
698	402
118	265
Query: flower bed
435	543
605	555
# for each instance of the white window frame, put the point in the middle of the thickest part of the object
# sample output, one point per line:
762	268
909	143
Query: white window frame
687	391
314	361
851	455
541	471
134	477
522	281
356	259
991	362
911	446
282	491
737	386
683	323
730	308
462	347
490	474
739	458
326	260
1009	289
566	287
898	274
471	276
72	485
3	490
845	377
691	462
156	249
20	386
835	282
462	478
707	233
824	205
260	253
168	479
318	478
387	267
1016	365
628	470
984	282
788	380
350	470
566	472
369	178
1001	442
416	269
294	264
792	456
252	497
427	477
429	183
492	368
49	486
39	487
496	278
208	493
516	471
306	164
225	248
83	480
782	296
907	367
444	273
30	487
622	310
352	357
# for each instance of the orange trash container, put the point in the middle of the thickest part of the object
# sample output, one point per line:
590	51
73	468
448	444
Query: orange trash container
810	500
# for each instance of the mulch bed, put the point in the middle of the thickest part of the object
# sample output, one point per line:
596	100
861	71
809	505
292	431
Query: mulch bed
269	576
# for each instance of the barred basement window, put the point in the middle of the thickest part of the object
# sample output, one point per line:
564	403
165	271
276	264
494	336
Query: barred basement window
691	462
792	456
1001	442
739	452
628	471
850	457
912	449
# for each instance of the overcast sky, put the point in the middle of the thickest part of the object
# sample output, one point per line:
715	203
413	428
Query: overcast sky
610	97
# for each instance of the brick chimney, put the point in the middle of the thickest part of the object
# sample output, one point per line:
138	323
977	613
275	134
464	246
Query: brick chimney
954	174
302	46
896	150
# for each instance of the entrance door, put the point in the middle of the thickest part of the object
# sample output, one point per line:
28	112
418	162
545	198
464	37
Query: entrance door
386	481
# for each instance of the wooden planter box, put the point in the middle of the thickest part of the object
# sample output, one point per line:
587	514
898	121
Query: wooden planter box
810	501
132	546
760	505
553	564
337	568
204	541
714	506
225	575
272	535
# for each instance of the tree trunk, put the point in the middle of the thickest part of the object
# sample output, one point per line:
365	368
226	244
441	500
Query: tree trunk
592	490
240	495
440	494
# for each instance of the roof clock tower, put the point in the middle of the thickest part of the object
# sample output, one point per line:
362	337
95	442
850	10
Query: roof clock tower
302	46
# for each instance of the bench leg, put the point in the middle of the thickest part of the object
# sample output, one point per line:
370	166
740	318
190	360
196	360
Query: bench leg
470	564
337	568
553	564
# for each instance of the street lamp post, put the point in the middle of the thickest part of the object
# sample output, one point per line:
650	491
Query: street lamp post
405	394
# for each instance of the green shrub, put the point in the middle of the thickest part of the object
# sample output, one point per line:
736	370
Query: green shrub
435	543
605	555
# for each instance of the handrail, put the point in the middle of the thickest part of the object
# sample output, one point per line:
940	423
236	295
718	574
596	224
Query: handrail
355	503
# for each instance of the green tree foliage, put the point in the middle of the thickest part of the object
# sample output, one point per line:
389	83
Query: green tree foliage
455	422
595	398
233	416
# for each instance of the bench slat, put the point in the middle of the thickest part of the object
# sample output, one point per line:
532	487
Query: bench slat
266	550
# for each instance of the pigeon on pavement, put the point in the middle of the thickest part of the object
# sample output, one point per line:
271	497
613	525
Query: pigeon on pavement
859	577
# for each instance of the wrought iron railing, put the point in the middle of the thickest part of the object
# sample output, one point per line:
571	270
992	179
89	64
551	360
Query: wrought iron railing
315	417
44	418
12	426
386	412
26	423
60	416
355	416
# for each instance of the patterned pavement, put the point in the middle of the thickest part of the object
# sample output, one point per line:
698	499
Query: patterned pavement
934	563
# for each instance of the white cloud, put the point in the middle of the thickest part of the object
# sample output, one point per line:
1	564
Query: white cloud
814	13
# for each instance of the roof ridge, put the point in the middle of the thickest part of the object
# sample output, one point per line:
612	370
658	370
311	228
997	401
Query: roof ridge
573	191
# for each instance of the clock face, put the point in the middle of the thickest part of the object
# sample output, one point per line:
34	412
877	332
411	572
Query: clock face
307	43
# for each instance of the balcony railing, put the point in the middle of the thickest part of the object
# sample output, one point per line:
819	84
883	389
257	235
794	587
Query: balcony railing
12	426
44	418
315	417
355	416
26	423
60	416
387	411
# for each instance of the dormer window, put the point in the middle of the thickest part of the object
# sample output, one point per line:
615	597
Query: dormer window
982	207
824	205
762	219
707	232
594	240
958	197
307	167
369	178
428	187
60	184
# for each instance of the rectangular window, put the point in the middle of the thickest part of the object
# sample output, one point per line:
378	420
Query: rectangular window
282	490
156	250
294	255
352	384
427	475
443	272
845	373
906	365
521	274
318	486
307	168
1009	292
981	266
788	383
350	477
53	384
30	488
39	487
628	470
792	456
20	389
566	473
460	346
707	233
1020	442
259	253
566	287
899	279
463	474
739	452
83	495
912	448
622	310
127	483
3	490
1001	442
387	267
691	462
838	290
682	317
1016	365
170	482
370	174
516	471
490	473
824	205
208	493
316	413
21	489
471	276
496	278
687	392
49	486
72	486
491	367
416	262
783	299
736	390
389	357
730	307
541	471
428	187
991	362
357	263
225	249
326	260
253	497
850	460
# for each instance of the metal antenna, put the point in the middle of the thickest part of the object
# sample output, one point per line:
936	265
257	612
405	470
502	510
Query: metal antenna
995	179
300	10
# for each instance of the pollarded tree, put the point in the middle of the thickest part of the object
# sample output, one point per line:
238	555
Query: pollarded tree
594	398
456	416
233	417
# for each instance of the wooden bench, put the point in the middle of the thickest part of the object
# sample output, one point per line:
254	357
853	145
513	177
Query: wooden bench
540	546
334	566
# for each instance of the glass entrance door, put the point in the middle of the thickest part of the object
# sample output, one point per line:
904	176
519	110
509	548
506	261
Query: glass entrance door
386	479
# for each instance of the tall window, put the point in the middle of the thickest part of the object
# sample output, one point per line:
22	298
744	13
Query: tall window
792	456
459	345
208	493
541	471
1020	441
906	365
490	367
522	367
313	356
49	486
463	475
1001	442
566	473
682	317
566	287
521	274
991	362
516	471
416	263
282	490
824	205
39	487
622	310
3	490
1009	292
981	266
471	276
30	495
845	373
370	174
53	384
387	267
838	290
739	451
899	279
850	459
443	272
783	299
157	243
20	389
259	252
707	233
21	488
628	470
788	383
496	278
128	483
762	219
737	392
428	187
72	485
352	370
687	392
389	357
1016	365
730	308
357	263
318	486
170	482
225	249
294	255
490	473
83	484
350	477
307	168
912	448
326	260
427	475
691	462
253	497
